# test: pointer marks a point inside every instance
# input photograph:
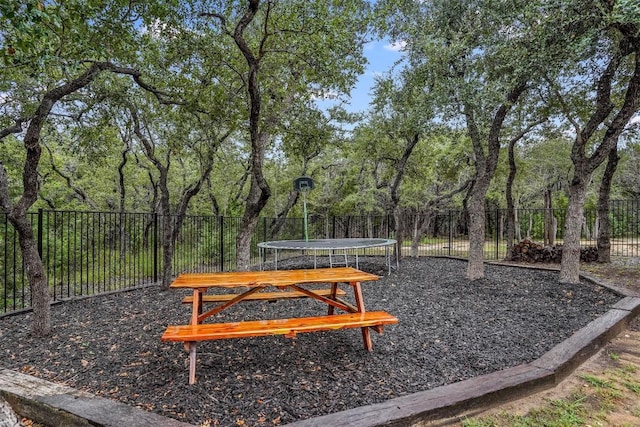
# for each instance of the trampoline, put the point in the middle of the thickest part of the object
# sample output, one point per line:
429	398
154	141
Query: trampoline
330	246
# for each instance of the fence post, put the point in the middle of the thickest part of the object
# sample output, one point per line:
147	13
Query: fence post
333	227
155	246
39	232
221	242
497	231
264	226
264	239
388	226
450	232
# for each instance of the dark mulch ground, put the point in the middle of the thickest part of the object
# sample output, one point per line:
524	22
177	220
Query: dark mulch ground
450	329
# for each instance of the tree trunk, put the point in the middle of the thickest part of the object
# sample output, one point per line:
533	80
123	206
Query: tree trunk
421	227
475	268
585	227
628	44
36	276
511	216
516	224
604	224
256	201
122	191
570	266
167	248
485	168
549	236
416	233
278	222
18	213
399	231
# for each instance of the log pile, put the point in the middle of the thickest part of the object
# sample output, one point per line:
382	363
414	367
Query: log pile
531	252
589	254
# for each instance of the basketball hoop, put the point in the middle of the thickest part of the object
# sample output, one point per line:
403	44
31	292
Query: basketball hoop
304	184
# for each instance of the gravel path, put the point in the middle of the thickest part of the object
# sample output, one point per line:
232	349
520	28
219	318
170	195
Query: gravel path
450	329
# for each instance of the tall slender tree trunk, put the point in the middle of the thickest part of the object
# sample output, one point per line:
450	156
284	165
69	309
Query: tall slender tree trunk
399	225
614	123
486	162
511	215
570	267
549	230
259	193
36	276
475	268
604	225
279	221
168	250
421	227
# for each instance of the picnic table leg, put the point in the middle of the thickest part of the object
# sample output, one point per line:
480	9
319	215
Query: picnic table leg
334	292
192	362
366	336
196	307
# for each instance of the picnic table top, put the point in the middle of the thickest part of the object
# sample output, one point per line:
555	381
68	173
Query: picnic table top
233	279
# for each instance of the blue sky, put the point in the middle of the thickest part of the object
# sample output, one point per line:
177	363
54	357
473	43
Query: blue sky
381	55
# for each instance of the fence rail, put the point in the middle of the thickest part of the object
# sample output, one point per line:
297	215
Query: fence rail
87	253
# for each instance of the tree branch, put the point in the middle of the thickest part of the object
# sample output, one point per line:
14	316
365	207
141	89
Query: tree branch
77	190
16	128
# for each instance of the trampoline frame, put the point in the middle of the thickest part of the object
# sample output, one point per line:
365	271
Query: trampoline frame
330	245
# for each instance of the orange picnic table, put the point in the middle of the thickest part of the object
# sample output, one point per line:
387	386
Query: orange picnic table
290	284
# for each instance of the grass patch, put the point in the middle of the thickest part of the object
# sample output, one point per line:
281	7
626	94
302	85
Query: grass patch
598	382
592	405
633	386
557	413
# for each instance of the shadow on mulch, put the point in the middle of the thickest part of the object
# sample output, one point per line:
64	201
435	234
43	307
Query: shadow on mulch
450	329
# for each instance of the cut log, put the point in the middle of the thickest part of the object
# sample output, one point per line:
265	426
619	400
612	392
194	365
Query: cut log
530	252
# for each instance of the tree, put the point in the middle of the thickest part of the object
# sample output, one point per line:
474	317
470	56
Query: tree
303	47
401	111
477	70
47	50
598	91
204	142
511	215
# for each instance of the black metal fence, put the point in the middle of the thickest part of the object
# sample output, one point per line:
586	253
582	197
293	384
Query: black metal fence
86	253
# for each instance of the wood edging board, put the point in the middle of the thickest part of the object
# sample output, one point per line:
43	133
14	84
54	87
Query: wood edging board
447	404
55	404
452	402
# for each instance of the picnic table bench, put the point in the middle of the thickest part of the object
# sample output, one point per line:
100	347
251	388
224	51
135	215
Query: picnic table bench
355	316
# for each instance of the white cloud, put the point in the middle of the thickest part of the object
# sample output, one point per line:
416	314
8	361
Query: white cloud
322	95
396	46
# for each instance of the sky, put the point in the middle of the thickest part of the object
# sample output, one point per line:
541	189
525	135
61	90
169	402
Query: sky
381	55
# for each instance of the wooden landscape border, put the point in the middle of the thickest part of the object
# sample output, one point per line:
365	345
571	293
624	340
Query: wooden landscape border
43	401
451	403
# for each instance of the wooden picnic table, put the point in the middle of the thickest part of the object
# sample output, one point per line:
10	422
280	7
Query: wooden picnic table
253	284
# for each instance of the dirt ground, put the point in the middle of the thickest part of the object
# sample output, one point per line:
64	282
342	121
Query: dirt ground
606	387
